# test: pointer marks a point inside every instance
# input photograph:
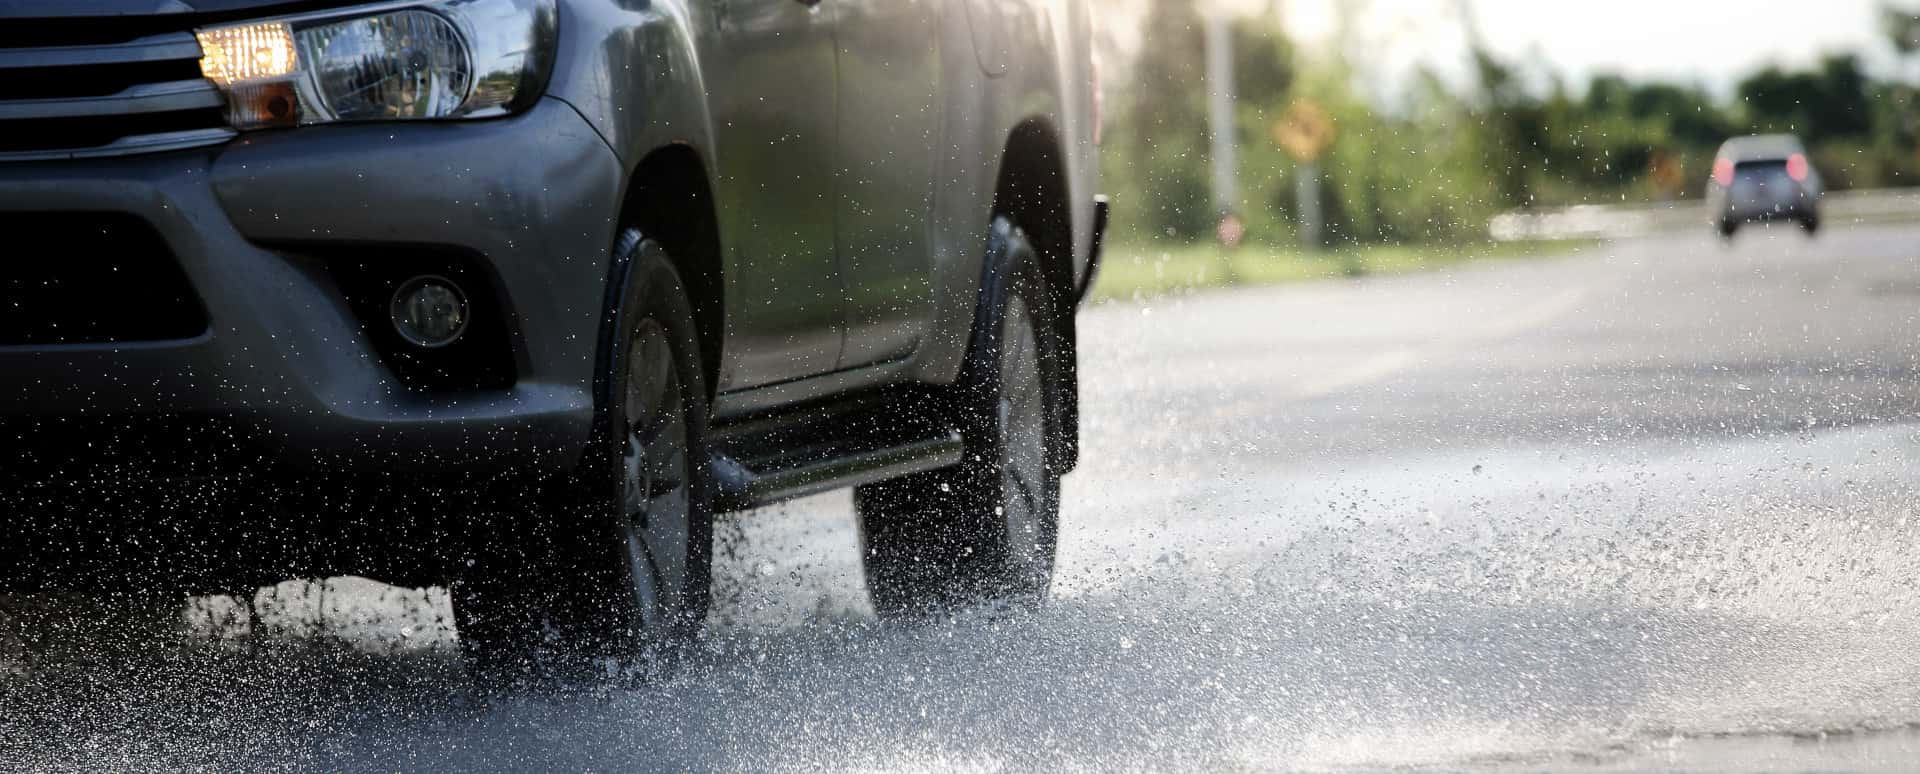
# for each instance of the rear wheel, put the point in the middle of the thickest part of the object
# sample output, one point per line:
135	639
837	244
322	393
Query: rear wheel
616	557
983	530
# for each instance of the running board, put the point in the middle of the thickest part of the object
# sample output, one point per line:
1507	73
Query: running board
769	459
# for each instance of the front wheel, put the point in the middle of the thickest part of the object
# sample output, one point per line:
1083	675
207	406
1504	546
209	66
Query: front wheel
616	557
985	529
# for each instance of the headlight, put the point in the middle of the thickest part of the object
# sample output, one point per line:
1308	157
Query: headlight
404	60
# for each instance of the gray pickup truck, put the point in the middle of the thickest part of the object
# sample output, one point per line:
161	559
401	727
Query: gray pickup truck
516	295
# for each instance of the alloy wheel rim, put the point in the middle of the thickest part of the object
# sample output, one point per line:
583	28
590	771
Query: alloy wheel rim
1022	426
655	493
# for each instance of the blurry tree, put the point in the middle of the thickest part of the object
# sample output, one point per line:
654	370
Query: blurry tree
1897	118
1631	138
1433	163
1901	25
1263	61
1514	123
1687	114
1827	103
1164	140
1264	80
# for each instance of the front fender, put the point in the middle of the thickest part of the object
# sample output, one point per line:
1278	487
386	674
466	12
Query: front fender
630	67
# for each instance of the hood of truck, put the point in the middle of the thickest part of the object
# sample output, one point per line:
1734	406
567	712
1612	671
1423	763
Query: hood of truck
23	9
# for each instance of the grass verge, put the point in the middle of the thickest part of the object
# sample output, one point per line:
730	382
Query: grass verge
1141	271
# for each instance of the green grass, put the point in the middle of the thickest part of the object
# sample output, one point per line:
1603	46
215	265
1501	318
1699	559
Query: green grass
1140	271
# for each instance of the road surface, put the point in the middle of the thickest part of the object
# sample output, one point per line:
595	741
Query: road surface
1648	505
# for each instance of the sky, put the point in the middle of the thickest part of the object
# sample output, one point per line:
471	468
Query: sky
1711	42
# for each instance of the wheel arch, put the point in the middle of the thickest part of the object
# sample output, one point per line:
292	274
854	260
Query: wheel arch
670	200
1034	191
633	72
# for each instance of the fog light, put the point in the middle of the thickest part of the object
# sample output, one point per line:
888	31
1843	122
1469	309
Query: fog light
429	311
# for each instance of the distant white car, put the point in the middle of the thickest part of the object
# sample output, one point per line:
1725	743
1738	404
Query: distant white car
1760	178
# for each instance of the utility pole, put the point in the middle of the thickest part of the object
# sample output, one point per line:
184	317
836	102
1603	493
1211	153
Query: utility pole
1220	129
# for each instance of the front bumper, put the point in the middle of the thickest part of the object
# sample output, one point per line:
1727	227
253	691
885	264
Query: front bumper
285	360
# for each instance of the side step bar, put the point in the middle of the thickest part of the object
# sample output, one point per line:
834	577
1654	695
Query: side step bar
768	459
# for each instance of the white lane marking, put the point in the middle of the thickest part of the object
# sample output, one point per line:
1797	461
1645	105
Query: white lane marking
1383	365
1372	369
1529	316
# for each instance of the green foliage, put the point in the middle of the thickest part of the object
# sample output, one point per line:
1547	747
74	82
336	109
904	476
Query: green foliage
1263	62
1163	140
1902	28
1442	160
1683	114
1829	103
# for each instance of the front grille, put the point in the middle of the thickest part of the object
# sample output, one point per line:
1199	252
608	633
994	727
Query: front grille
91	278
66	133
129	88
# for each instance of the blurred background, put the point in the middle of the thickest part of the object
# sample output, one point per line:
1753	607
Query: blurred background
1370	136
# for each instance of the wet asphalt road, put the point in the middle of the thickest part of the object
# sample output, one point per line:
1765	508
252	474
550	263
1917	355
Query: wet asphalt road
1650	505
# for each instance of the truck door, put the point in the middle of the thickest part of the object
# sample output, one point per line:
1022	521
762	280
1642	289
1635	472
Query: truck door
890	121
771	90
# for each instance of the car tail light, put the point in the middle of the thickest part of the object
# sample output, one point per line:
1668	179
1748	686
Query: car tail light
1797	167
1723	172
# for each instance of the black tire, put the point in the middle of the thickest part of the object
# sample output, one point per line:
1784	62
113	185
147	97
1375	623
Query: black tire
1810	224
615	559
984	530
1727	229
